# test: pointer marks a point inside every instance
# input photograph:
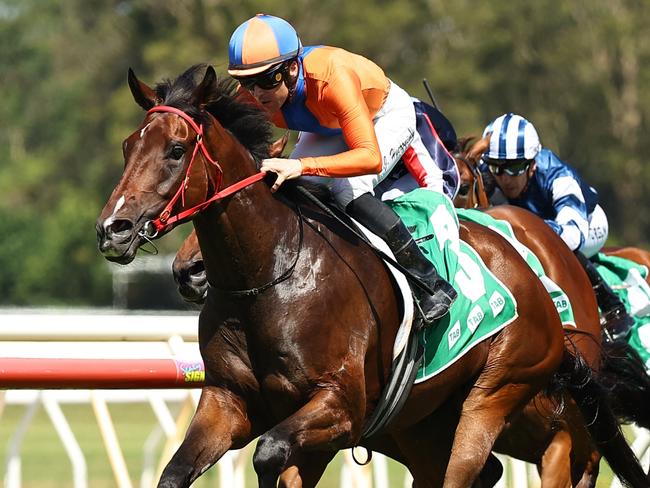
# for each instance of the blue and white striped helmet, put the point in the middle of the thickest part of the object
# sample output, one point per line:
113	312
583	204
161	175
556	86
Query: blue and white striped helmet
513	137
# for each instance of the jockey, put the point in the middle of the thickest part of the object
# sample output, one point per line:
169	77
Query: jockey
355	126
534	178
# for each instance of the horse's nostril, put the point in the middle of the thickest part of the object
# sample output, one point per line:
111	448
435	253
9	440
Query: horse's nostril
196	269
119	227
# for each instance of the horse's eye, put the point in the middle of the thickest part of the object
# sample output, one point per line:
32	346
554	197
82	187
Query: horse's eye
177	152
464	189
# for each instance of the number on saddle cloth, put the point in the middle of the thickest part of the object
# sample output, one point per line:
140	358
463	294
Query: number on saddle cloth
503	228
627	279
484	305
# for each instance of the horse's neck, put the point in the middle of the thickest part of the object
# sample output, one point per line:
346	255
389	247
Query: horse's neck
247	239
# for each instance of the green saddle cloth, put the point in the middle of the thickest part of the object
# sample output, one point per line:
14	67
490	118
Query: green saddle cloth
628	280
484	305
560	299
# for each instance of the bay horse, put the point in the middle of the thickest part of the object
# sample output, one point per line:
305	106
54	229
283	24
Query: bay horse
559	445
297	329
622	370
535	437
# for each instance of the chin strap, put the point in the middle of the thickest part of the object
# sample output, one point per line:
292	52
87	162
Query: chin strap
165	221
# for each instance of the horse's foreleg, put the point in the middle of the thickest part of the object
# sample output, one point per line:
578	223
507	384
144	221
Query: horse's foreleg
306	471
326	422
220	422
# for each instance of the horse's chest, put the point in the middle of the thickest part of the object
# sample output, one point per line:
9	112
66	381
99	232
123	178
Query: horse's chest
284	395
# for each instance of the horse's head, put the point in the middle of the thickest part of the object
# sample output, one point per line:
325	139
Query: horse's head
471	193
179	157
189	271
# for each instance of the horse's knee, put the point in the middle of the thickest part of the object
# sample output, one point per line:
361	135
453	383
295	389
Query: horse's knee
271	456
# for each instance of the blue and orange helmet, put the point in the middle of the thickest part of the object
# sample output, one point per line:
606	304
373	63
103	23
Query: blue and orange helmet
260	43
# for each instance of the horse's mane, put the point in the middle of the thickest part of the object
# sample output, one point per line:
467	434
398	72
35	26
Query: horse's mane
246	121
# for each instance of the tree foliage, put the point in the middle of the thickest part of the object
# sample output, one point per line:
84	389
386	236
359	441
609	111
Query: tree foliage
579	70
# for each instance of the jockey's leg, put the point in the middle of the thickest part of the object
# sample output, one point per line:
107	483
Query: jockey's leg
382	220
614	315
615	318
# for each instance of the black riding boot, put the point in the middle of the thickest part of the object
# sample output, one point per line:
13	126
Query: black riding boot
614	316
382	220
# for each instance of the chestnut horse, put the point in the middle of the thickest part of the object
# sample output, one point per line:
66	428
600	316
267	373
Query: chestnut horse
622	370
297	329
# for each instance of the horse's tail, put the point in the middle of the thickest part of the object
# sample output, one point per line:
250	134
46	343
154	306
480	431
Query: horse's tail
594	401
624	374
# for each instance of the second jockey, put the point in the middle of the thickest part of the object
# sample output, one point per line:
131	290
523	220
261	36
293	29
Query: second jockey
534	178
355	123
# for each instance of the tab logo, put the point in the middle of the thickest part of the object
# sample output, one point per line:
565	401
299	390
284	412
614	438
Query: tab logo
453	335
474	318
497	303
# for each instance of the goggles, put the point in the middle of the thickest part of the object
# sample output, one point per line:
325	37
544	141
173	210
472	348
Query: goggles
267	80
512	168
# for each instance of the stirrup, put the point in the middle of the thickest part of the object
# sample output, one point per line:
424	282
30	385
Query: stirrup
445	294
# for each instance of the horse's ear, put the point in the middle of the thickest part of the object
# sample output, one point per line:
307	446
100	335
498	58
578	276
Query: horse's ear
142	94
477	150
201	92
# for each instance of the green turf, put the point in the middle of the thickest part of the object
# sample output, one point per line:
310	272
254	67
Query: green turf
45	464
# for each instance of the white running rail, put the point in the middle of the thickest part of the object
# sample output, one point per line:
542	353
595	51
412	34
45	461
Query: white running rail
36	335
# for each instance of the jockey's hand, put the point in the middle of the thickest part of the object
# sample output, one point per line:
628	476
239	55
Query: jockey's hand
286	169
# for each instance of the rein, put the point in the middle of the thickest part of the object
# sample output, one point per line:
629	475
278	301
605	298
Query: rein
165	221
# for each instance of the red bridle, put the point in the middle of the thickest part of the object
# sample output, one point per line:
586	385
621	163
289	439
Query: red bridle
166	220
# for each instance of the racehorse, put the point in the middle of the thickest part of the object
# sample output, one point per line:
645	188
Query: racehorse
534	433
559	445
297	329
622	368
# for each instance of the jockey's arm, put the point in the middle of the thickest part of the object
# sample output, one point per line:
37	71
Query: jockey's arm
342	97
571	220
